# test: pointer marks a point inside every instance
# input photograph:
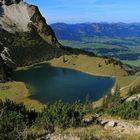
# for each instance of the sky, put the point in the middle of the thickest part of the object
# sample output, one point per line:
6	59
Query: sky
81	11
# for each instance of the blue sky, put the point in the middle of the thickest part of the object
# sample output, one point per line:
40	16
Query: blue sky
79	11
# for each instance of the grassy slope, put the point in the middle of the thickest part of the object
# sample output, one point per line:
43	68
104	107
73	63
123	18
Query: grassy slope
89	65
127	82
101	133
18	92
102	42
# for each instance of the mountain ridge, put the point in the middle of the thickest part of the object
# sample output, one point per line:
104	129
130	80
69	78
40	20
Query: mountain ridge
67	31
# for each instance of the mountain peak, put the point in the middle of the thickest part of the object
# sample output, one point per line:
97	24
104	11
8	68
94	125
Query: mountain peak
25	34
19	16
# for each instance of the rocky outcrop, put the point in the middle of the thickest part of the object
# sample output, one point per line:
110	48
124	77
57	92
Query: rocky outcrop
6	64
18	16
5	71
14	17
5	56
24	34
39	22
133	98
116	125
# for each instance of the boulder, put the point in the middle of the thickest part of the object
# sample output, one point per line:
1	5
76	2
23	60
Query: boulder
88	121
104	122
112	124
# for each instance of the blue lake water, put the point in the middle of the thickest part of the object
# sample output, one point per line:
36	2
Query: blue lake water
49	84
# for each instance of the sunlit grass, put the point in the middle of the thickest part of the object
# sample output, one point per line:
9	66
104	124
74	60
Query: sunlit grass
18	92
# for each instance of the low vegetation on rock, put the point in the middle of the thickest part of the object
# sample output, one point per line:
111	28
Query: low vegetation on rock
17	122
115	105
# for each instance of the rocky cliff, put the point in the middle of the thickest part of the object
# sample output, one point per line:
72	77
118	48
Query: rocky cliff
18	16
25	35
26	38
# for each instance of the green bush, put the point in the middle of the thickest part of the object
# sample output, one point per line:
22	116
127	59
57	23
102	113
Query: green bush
115	106
16	120
133	91
62	115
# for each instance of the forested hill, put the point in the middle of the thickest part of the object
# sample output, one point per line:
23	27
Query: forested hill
77	32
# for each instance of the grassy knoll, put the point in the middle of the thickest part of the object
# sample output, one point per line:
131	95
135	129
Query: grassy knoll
17	91
92	65
127	82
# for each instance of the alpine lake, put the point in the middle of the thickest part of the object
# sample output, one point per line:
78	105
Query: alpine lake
49	84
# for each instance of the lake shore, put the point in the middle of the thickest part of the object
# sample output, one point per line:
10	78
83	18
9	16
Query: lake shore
96	66
19	93
91	67
124	81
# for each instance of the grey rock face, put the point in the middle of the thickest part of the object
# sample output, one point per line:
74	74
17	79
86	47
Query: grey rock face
25	34
14	17
6	64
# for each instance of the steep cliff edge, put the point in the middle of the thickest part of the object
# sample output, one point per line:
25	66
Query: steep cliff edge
18	16
25	34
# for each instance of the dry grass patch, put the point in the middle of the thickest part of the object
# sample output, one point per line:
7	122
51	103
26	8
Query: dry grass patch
17	91
91	65
100	133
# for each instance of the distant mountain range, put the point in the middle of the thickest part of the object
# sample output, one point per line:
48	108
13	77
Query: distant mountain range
77	32
118	40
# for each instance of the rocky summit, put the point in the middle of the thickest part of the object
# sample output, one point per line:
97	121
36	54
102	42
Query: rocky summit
18	16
